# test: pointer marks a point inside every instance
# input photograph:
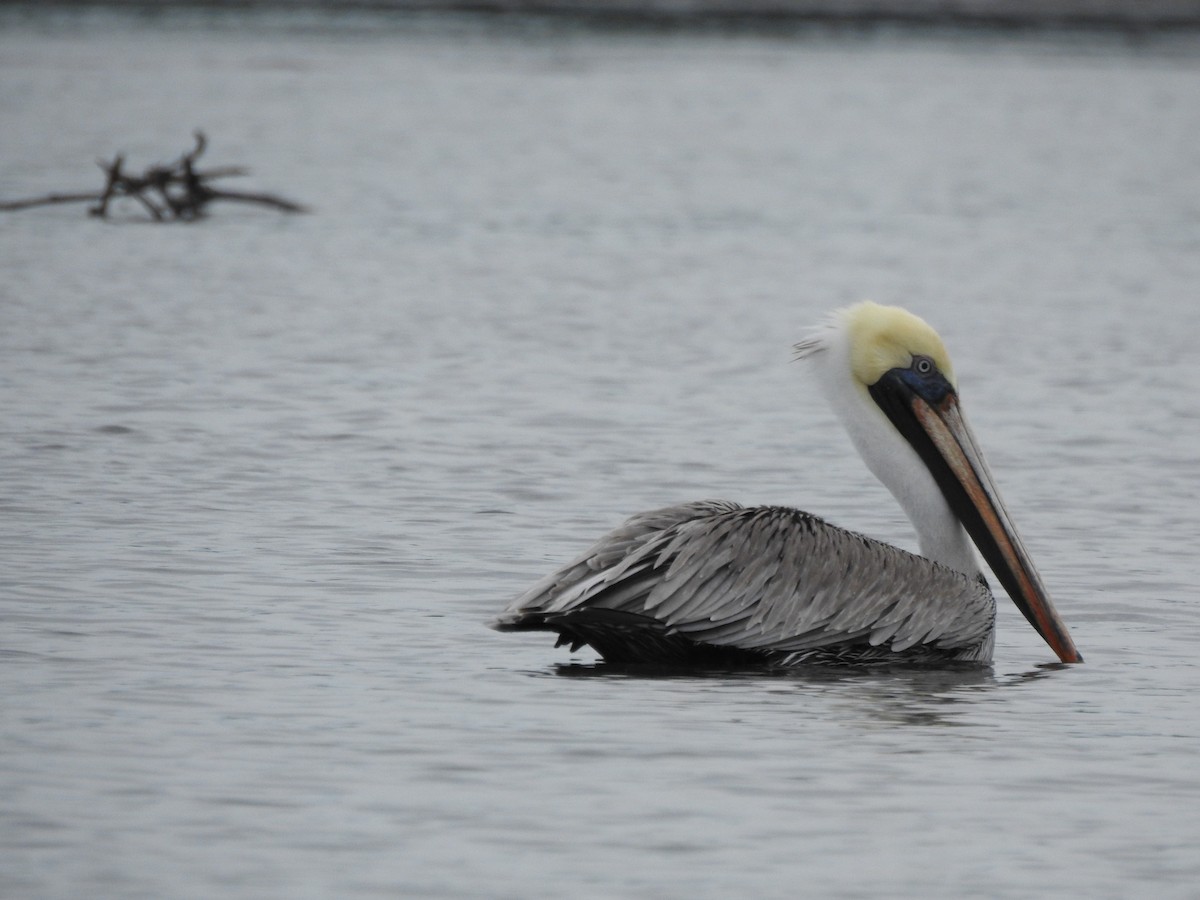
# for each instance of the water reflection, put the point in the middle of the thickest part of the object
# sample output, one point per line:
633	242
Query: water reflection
892	694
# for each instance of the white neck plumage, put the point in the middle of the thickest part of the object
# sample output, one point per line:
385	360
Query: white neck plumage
892	460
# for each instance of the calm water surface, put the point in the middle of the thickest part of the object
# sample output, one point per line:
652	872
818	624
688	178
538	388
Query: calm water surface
263	479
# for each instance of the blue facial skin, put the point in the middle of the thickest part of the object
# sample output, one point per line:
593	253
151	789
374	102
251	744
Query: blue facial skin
923	379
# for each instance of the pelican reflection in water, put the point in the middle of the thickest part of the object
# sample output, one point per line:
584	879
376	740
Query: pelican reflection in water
713	582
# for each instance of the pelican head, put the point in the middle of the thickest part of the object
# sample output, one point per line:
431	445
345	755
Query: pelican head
889	379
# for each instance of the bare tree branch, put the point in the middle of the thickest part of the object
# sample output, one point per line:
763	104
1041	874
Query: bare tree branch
177	192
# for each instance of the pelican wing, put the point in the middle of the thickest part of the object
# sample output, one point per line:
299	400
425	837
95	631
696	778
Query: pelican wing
769	583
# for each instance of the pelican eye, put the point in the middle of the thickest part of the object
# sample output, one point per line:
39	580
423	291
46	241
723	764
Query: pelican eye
923	365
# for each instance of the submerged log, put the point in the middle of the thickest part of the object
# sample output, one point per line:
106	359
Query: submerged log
177	192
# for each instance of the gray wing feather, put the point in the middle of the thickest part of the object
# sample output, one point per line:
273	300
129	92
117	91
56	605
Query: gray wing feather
766	579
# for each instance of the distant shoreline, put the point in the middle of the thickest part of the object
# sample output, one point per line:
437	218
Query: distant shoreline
1129	15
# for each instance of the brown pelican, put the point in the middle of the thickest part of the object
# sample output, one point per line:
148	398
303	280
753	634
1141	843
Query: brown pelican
716	582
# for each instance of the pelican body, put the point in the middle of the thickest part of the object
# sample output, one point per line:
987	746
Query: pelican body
713	582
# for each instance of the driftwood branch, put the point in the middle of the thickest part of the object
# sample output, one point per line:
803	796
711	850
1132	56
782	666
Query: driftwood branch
14	205
178	192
